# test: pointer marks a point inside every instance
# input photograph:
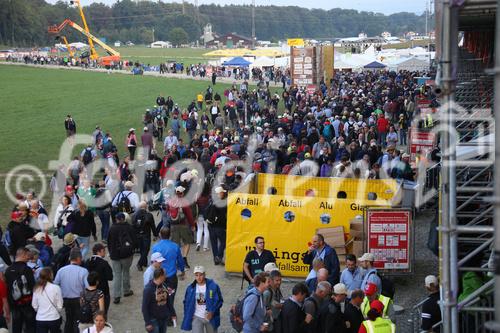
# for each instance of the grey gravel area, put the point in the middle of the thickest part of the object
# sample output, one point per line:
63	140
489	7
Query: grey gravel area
126	317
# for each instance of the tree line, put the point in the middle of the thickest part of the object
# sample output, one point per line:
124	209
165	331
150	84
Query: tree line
25	22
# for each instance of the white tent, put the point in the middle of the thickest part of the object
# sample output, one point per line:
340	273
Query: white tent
409	64
263	62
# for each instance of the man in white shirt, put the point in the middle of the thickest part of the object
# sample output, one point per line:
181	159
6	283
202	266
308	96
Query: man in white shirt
170	140
131	196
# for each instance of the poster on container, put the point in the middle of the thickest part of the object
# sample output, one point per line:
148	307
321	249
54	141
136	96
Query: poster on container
421	143
389	235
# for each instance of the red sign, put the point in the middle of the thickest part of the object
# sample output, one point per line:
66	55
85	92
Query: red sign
389	238
311	89
420	141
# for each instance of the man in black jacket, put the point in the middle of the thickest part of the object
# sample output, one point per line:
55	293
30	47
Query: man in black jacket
292	314
217	224
61	258
144	224
18	231
20	293
352	313
121	244
98	264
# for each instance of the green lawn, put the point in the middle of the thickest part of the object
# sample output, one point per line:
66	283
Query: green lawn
35	101
155	56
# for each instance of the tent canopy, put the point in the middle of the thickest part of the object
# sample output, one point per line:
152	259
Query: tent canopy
374	65
237	61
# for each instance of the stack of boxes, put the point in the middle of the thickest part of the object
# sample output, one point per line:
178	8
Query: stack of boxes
335	238
357	236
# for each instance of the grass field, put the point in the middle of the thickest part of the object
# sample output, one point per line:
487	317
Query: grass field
155	56
35	101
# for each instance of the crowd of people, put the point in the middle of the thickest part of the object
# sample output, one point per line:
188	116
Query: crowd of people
356	127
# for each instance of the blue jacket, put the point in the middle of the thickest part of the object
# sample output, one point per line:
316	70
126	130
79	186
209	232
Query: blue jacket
331	261
172	254
254	311
213	299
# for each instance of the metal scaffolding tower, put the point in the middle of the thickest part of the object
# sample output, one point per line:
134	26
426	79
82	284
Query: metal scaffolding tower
468	212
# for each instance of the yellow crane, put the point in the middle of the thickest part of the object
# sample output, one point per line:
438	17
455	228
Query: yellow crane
114	56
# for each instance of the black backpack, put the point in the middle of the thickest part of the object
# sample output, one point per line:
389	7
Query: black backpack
388	289
124	205
127	245
236	313
138	220
87	156
19	289
86	311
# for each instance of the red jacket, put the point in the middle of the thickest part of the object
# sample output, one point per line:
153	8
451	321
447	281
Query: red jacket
382	125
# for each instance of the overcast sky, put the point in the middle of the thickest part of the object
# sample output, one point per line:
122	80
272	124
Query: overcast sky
381	6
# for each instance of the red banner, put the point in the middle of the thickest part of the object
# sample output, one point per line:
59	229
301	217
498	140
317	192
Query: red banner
420	141
389	238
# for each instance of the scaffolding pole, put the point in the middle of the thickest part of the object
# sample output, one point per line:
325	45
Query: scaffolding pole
496	168
449	308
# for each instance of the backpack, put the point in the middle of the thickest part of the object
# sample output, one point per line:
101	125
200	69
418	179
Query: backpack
86	312
124	205
159	121
139	220
87	156
127	245
236	313
19	291
388	289
176	215
7	241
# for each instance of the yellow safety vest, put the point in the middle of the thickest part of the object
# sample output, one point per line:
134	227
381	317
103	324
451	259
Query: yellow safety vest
428	120
365	306
380	325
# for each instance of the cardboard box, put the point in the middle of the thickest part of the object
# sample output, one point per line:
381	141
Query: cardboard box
333	236
357	234
340	250
357	248
356	224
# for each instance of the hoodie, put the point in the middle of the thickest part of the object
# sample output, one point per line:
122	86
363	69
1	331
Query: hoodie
214	301
254	311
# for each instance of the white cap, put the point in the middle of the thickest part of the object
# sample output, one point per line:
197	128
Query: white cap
180	189
157	257
340	289
270	266
367	257
145	128
431	279
131	129
219	189
170	182
405	155
199	269
39	236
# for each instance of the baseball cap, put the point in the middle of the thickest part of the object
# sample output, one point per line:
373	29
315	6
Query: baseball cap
157	257
131	129
271	266
367	257
15	215
40	236
170	182
431	279
199	269
377	305
340	289
145	128
219	189
69	188
180	189
370	289
405	155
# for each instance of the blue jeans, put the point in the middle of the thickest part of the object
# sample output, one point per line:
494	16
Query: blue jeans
104	216
86	242
218	241
159	325
402	136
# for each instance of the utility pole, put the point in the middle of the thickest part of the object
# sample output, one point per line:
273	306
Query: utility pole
253	24
197	12
183	8
153	35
